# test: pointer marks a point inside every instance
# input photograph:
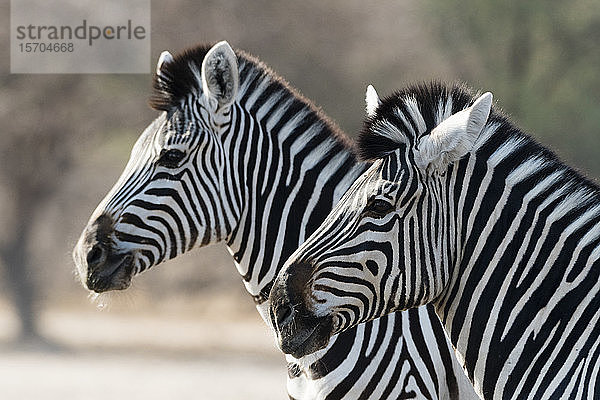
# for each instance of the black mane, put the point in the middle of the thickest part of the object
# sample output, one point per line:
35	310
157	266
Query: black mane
179	78
373	146
427	95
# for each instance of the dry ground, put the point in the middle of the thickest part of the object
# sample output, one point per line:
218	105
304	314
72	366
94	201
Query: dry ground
123	355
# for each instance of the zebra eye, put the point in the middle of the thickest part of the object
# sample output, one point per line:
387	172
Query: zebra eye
170	158
378	208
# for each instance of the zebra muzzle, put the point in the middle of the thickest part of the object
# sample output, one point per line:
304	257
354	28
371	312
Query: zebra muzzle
101	266
108	272
299	331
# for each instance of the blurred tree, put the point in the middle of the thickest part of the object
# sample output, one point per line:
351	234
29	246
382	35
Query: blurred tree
540	58
45	132
35	152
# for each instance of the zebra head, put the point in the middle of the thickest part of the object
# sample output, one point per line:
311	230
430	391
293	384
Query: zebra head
384	246
165	201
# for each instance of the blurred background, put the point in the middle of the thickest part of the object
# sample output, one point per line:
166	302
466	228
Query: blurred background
187	329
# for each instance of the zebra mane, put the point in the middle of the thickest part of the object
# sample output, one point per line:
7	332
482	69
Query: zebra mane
408	114
405	116
180	77
177	79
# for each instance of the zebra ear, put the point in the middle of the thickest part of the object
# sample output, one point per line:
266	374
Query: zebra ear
371	101
165	58
220	76
454	137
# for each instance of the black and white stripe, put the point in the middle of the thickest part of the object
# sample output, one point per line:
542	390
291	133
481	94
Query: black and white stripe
261	172
464	211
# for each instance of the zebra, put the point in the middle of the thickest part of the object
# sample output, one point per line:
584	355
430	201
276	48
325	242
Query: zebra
464	211
237	155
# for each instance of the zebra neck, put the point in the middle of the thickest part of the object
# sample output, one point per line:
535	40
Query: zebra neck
528	274
296	167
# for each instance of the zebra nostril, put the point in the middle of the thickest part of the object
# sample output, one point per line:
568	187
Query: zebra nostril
284	314
95	256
